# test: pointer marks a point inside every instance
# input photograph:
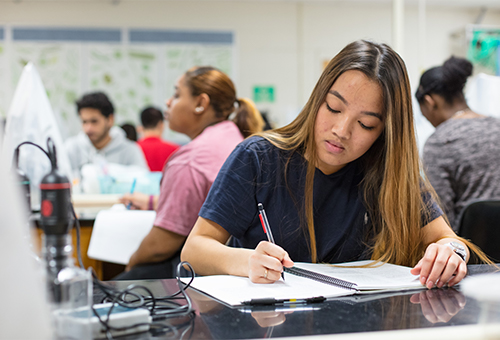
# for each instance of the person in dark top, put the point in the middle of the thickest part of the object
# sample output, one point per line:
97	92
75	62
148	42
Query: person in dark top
461	157
341	182
130	131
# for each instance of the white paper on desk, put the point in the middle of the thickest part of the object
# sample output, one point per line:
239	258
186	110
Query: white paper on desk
117	233
234	290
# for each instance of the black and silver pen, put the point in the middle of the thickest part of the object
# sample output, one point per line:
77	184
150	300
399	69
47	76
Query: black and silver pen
272	301
267	229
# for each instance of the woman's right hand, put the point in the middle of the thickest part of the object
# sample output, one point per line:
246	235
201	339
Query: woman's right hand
270	318
137	201
266	263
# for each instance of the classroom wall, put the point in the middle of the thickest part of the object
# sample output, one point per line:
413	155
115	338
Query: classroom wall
279	43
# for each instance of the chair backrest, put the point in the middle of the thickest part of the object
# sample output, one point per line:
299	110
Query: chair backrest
480	223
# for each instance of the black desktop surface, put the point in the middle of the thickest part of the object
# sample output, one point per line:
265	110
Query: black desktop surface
375	312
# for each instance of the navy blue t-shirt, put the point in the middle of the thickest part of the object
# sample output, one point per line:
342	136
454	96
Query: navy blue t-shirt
255	173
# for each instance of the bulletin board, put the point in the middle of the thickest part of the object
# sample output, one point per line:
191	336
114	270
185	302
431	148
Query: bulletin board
134	74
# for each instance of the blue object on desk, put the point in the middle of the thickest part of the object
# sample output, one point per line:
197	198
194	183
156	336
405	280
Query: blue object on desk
148	183
131	192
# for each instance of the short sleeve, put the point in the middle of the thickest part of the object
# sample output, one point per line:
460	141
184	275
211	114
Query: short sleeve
439	168
182	194
231	202
431	209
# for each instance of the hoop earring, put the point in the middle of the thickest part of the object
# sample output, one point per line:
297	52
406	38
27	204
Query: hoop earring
199	109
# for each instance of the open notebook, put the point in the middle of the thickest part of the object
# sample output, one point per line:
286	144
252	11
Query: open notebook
307	282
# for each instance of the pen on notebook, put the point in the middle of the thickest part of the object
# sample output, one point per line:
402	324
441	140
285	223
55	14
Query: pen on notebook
267	228
272	301
131	191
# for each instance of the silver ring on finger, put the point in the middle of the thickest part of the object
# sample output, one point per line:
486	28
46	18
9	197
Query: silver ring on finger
265	274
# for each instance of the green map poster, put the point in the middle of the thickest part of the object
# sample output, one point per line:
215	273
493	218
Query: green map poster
133	75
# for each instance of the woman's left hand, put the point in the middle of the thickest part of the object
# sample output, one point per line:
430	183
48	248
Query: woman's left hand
439	266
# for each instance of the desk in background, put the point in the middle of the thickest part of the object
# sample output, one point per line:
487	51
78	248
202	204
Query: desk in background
385	316
86	208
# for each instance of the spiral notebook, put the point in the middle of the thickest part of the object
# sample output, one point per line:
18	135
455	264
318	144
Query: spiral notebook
309	282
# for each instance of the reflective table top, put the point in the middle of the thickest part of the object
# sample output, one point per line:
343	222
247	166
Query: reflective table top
375	312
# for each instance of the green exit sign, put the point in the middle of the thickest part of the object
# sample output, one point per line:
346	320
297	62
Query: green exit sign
263	94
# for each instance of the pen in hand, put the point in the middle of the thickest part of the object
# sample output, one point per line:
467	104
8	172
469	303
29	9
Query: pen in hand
267	229
129	205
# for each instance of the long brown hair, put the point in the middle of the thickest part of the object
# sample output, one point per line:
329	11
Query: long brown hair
392	181
219	87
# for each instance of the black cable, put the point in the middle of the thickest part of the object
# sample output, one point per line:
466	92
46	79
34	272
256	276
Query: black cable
160	308
160	329
78	247
116	300
51	150
17	150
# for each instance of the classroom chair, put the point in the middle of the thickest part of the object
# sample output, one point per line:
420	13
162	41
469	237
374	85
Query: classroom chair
480	223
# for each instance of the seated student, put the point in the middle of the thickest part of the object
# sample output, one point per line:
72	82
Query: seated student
99	137
462	156
130	131
340	183
155	149
203	100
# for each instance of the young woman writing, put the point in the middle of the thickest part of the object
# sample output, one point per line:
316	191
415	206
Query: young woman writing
342	182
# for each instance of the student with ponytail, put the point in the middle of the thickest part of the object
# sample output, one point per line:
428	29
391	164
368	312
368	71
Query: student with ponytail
462	156
201	106
342	182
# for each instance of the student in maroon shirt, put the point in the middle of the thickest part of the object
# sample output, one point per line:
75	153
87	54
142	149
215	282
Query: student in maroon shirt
155	149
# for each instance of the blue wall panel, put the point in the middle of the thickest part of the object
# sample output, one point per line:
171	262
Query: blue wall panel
66	34
172	36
